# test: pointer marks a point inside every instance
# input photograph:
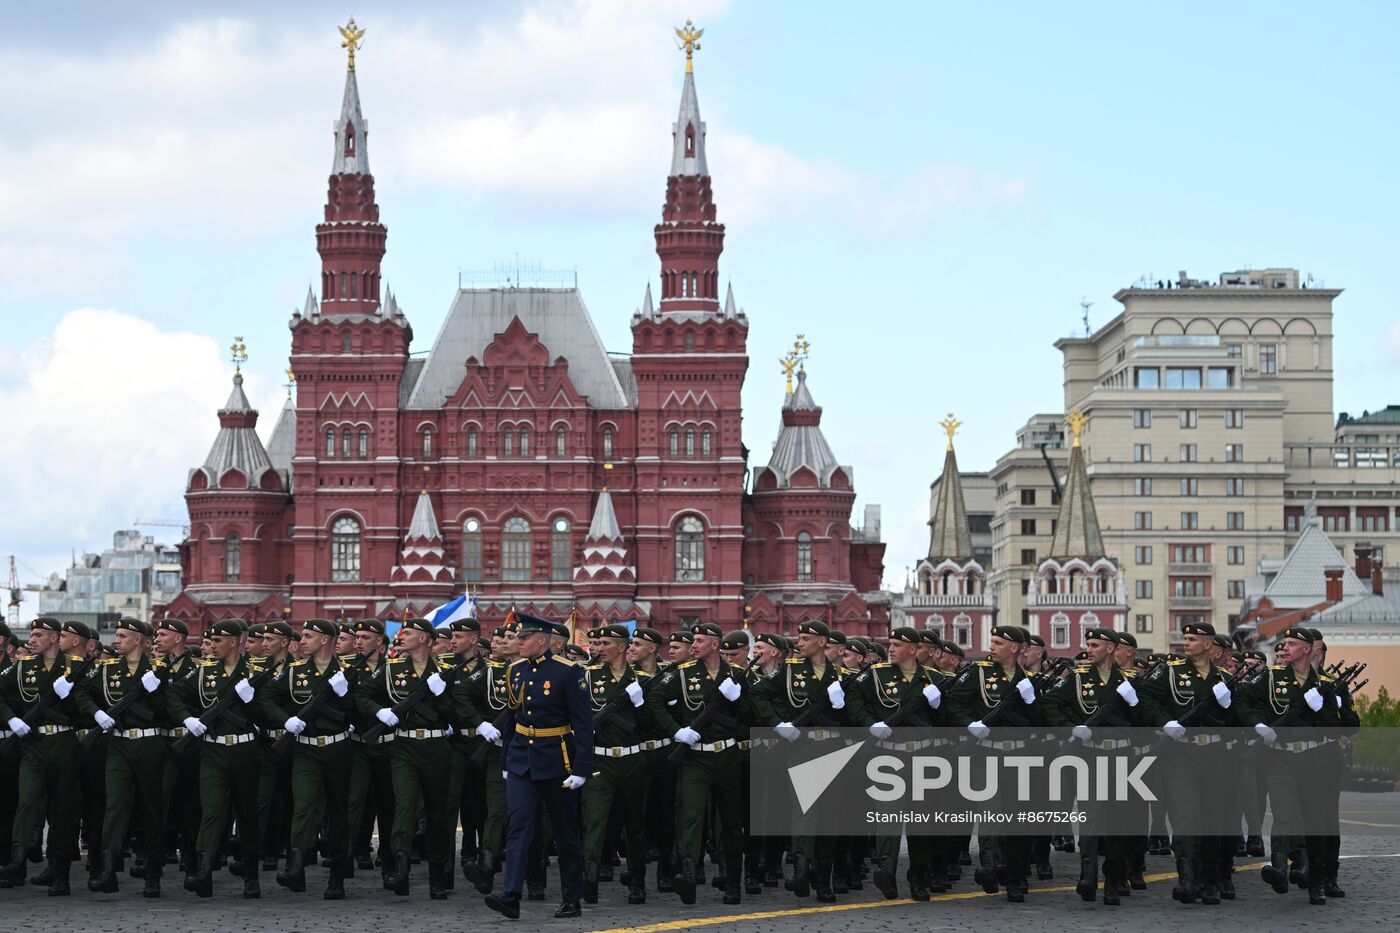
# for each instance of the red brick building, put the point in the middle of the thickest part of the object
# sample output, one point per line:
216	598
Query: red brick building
520	460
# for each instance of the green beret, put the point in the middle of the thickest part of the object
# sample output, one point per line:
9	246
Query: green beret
878	650
1102	634
614	631
465	625
1127	638
173	625
345	628
930	636
1012	633
1316	634
109	650
576	652
1198	628
814	627
368	625
708	628
649	634
735	640
228	627
906	634
1254	656
686	637
137	626
773	639
1035	640
280	628
47	624
324	626
857	644
420	625
1223	641
836	637
256	630
1082	656
952	647
1298	632
78	628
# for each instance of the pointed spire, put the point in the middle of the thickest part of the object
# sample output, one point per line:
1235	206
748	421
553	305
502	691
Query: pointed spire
351	130
1077	531
951	534
424	526
648	311
312	307
422	562
604	524
237	401
688	134
729	309
237	445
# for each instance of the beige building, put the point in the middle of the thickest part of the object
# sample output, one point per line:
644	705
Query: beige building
1210	427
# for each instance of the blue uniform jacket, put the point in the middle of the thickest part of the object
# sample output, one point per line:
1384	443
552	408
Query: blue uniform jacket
547	693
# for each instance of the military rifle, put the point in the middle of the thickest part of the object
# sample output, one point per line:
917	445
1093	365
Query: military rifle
419	694
118	710
216	710
313	706
49	698
711	707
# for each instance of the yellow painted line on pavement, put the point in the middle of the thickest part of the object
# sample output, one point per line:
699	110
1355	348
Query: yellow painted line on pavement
832	908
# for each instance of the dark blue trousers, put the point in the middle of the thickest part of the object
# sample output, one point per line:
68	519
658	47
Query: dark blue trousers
523	796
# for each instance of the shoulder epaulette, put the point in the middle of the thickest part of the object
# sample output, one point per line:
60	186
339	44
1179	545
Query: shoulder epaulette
350	658
1082	670
564	660
300	662
640	675
1324	678
76	659
985	663
518	661
1177	663
205	662
882	664
685	664
399	659
1274	667
788	660
111	661
494	663
594	667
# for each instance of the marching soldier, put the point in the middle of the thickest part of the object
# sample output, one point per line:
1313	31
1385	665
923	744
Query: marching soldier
274	773
1350	721
47	779
371	780
485	689
547	755
135	760
180	781
644	655
467	798
309	699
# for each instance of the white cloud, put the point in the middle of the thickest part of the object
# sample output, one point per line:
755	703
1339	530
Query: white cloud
104	417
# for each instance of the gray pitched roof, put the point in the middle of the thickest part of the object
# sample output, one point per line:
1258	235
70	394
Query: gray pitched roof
951	535
1077	531
1300	582
282	443
350	114
424	525
237	447
801	442
694	164
604	524
556	315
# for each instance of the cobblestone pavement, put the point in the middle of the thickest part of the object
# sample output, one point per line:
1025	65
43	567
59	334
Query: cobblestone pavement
1368	875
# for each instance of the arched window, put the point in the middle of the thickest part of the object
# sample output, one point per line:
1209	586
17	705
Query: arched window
515	550
1059	630
561	556
607	442
349	138
330	443
344	285
674	442
364	443
345	551
690	442
471	550
508	443
233	558
689	342
560	441
690	550
524	442
345	444
690	139
344	343
471	442
804	556
962	630
705	443
428	444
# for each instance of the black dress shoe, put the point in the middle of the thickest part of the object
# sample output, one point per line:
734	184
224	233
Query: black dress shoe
506	904
568	909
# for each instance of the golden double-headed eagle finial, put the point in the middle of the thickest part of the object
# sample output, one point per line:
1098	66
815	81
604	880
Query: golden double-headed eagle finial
1076	420
238	353
352	39
688	41
951	425
796	359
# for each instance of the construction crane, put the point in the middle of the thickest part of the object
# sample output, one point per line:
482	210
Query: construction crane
159	523
12	612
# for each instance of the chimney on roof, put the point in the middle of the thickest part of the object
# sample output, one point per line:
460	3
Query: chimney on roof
1333	576
1377	580
1364	553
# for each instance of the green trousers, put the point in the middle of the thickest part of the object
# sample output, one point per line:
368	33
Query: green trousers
135	785
371	791
705	779
621	780
319	787
421	769
228	781
493	833
48	787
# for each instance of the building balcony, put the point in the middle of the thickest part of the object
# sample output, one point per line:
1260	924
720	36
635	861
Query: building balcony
1190	570
954	600
1072	599
1191	602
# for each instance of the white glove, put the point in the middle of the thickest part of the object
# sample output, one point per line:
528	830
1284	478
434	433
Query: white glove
505	775
574	781
387	717
244	689
978	729
881	731
18	726
63	686
436	684
788	731
836	695
339	684
1338	698
686	735
934	696
634	693
295	725
1265	733
150	681
488	732
1312	698
1222	695
1175	730
1082	733
195	727
1026	689
103	720
729	688
1129	695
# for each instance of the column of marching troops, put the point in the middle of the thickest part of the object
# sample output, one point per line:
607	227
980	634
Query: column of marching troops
271	749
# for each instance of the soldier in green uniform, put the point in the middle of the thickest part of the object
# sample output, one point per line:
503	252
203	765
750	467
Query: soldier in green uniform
1071	702
228	759
902	683
1294	694
371	782
274	773
420	757
802	681
321	755
971	697
180	779
763	855
660	778
1126	656
1167	695
9	764
47	779
710	773
135	761
485	689
468	798
1350	721
620	764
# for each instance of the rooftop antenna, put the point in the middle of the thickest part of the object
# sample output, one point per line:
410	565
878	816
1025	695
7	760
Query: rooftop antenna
1085	305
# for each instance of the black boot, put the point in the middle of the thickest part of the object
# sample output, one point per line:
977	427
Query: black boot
1317	893
590	882
155	866
986	873
335	881
1016	886
1210	882
506	904
1299	874
821	883
398	881
938	872
1112	875
1275	874
884	878
14	868
58	886
800	884
637	882
106	880
733	882
1227	882
1088	885
684	883
45	876
294	877
568	910
438	875
1136	881
204	875
918	878
1188	890
1330	882
1254	845
252	890
482	872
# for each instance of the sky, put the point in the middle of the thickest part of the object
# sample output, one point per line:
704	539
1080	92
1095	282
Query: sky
926	191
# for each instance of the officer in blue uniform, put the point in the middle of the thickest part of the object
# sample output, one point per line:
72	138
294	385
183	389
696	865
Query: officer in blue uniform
546	755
